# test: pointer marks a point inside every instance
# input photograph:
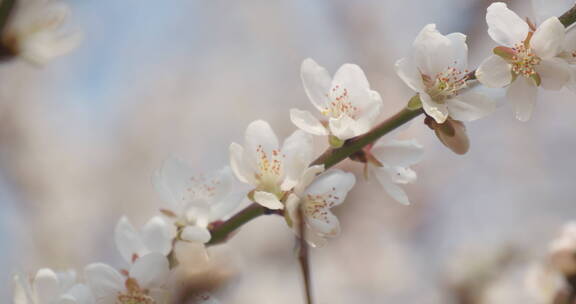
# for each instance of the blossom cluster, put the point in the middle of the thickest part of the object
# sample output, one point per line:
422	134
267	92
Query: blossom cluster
286	178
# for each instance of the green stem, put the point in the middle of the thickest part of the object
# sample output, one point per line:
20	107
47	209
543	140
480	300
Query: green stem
331	157
221	232
335	155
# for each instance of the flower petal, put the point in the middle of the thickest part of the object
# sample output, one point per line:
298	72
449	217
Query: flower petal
548	38
171	182
470	106
259	135
128	240
395	191
459	50
438	111
407	70
79	294
398	152
150	270
342	127
433	52
307	178
494	72
307	122
522	95
196	234
298	151
268	200
46	285
505	26
333	186
158	234
326	225
241	170
104	281
555	73
316	81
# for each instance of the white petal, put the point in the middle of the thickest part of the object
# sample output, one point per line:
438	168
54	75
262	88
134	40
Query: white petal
158	234
407	70
351	78
268	200
433	51
307	122
128	240
171	182
259	135
298	151
522	95
438	111
80	294
505	26
368	113
241	170
104	281
398	152
196	234
333	185
494	72
204	298
292	204
470	106
46	285
548	38
395	191
402	175
342	127
22	290
150	270
316	81
328	225
460	50
555	73
307	178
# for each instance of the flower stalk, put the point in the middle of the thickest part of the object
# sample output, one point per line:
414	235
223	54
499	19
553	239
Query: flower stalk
332	156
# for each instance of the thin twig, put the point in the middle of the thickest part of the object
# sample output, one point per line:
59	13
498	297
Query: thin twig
304	257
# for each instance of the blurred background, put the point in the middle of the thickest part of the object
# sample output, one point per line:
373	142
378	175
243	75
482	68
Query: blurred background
81	137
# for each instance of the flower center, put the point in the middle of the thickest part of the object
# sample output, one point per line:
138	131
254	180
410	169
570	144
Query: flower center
445	84
317	206
339	103
524	60
134	298
269	169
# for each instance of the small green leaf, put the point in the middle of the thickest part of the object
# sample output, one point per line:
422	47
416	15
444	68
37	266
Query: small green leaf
414	103
335	142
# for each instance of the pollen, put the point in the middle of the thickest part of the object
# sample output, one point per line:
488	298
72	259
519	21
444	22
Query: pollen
524	60
339	103
446	84
318	206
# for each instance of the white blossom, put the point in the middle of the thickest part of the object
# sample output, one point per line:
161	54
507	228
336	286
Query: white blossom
144	283
155	236
392	169
192	200
37	30
437	71
272	170
49	287
348	106
526	59
316	197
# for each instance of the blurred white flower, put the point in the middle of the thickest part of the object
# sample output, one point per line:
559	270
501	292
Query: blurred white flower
36	30
346	101
156	236
526	59
317	197
270	169
562	252
437	71
49	287
145	282
391	165
194	201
